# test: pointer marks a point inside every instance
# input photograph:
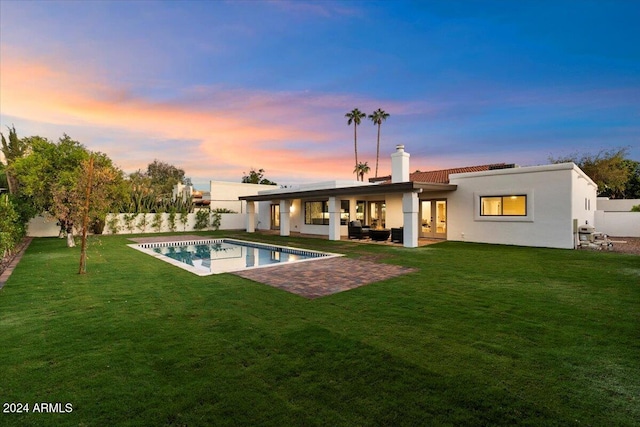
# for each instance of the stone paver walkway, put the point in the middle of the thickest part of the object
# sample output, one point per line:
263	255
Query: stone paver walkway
318	278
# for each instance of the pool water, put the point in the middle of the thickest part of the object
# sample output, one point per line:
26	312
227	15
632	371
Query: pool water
214	256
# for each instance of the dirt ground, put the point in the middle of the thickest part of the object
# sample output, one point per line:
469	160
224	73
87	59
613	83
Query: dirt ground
632	245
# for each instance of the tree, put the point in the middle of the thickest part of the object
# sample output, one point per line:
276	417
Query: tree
54	178
163	177
377	118
355	116
12	149
256	177
362	169
632	187
607	169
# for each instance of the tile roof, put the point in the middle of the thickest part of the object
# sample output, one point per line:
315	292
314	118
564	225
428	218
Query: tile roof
442	176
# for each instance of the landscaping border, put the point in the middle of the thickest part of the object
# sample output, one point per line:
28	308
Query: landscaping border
7	265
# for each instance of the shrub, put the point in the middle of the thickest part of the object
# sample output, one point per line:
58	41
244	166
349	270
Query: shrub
157	221
216	217
172	219
114	224
202	219
97	225
11	227
635	208
142	222
129	221
224	210
184	218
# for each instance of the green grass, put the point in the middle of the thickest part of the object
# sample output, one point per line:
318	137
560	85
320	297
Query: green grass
480	335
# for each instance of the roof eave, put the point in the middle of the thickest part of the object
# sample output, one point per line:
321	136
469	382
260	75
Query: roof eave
398	187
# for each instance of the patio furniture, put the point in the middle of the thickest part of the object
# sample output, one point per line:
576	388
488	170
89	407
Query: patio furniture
380	235
397	235
357	230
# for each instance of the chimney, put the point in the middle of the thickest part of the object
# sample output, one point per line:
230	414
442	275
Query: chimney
400	165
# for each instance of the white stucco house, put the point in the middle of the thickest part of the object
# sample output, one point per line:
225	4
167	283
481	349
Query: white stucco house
504	204
221	194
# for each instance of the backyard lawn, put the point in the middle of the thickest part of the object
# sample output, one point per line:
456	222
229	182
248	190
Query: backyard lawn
478	335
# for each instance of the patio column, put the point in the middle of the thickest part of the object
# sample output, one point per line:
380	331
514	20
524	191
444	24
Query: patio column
334	218
251	217
410	219
285	217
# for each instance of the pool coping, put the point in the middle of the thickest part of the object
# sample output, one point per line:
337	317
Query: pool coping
147	248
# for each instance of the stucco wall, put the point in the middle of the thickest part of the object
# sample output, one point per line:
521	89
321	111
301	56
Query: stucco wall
225	194
616	205
394	216
623	224
227	222
554	197
42	226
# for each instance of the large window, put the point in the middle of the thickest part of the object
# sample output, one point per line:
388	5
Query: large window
503	205
316	213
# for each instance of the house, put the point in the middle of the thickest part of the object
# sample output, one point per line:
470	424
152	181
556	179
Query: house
222	195
501	203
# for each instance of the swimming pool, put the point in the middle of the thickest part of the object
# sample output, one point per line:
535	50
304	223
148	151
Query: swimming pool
215	256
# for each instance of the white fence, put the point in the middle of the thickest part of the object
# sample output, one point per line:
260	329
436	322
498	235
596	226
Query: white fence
623	224
42	226
146	223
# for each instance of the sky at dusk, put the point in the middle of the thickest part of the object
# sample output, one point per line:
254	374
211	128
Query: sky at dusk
220	87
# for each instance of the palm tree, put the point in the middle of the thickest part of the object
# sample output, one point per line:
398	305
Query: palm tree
361	169
355	116
378	117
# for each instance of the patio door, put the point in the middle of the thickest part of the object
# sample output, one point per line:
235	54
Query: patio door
433	219
377	214
275	217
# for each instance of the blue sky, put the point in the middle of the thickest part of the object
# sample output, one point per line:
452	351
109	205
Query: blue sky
220	87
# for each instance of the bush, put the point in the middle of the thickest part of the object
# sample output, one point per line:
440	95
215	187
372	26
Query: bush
172	219
635	208
224	210
216	218
202	219
114	224
157	221
12	230
97	225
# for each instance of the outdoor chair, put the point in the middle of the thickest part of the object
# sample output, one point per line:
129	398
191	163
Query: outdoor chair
397	235
357	230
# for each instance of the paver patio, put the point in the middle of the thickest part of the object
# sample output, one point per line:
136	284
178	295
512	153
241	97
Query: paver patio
318	278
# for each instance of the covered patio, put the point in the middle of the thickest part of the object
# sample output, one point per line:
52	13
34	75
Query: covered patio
397	204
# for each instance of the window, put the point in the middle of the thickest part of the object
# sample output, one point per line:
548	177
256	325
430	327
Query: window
316	213
360	209
377	214
344	212
503	205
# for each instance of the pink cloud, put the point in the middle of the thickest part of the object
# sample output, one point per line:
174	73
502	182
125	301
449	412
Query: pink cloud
298	136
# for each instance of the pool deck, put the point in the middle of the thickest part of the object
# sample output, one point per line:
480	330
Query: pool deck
310	279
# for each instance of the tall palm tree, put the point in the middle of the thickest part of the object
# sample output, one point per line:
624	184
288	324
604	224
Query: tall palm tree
355	116
361	169
377	118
